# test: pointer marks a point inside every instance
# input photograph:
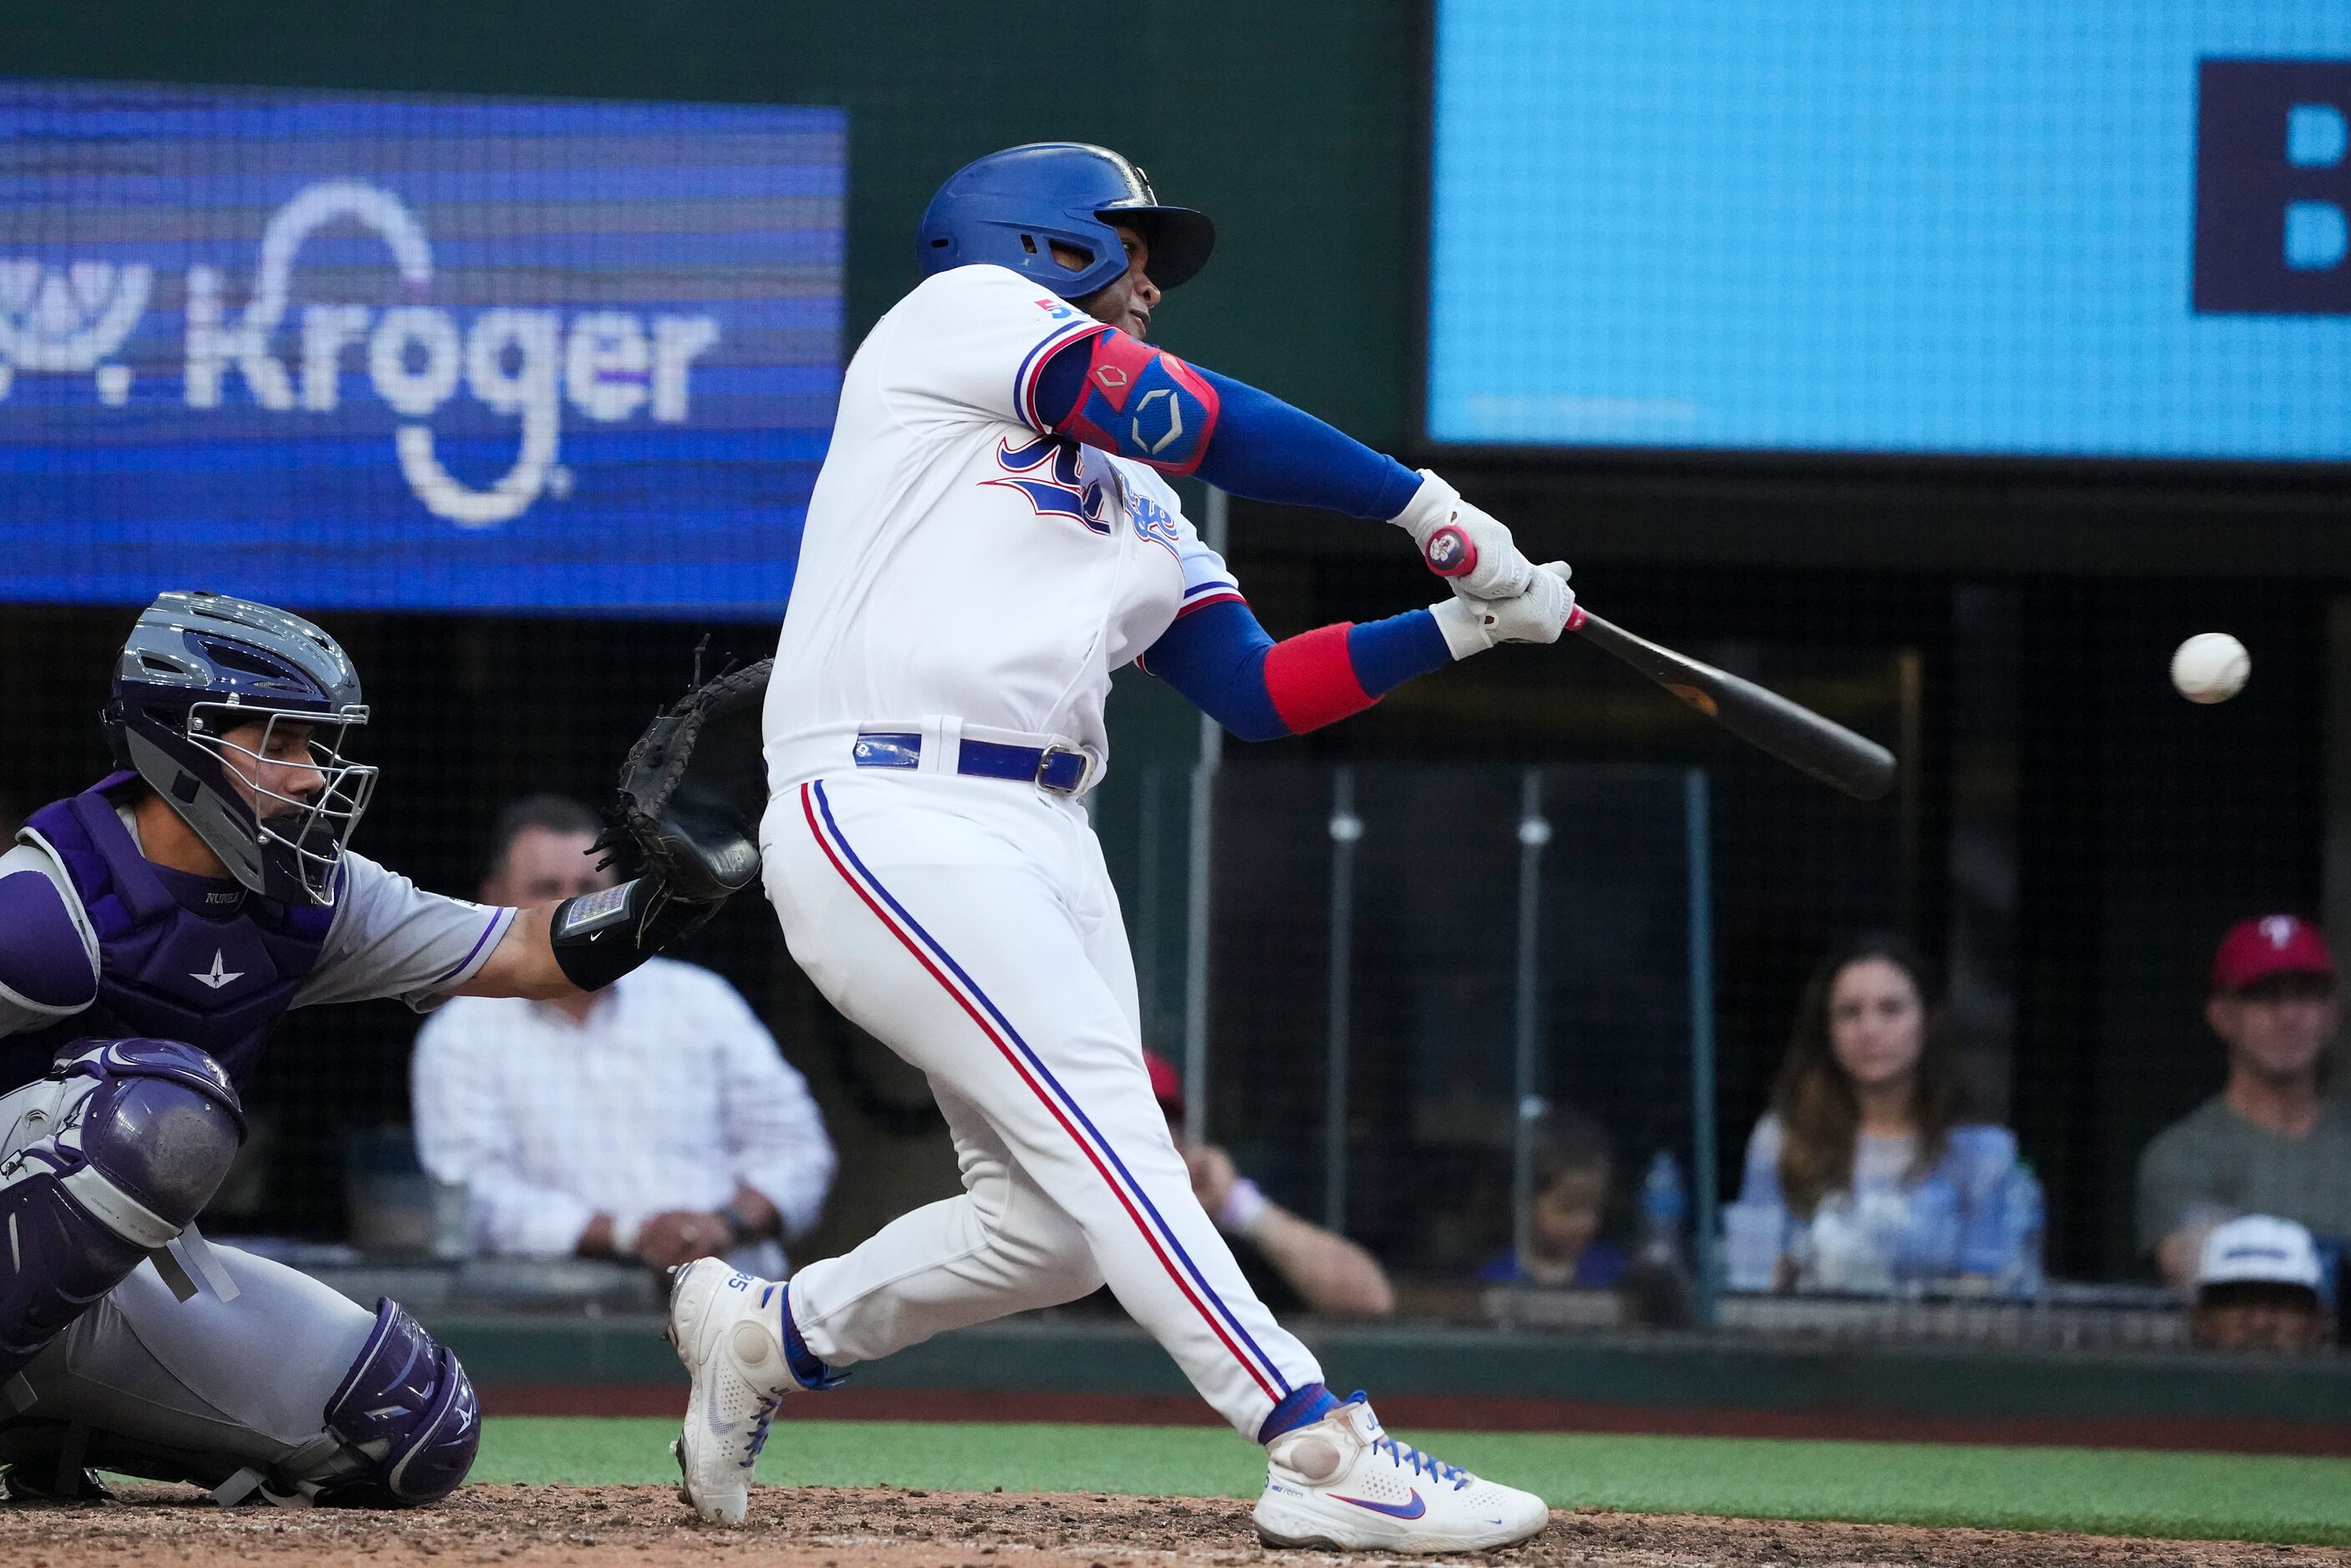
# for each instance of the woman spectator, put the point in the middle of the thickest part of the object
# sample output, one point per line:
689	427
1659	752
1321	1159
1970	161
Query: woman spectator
1867	1149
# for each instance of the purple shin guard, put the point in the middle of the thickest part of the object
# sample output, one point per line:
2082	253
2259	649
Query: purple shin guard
64	1258
409	1409
127	1168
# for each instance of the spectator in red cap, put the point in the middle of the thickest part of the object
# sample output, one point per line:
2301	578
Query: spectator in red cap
1330	1274
2269	1141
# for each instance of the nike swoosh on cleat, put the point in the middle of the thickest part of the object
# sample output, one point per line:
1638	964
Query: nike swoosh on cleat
1412	1509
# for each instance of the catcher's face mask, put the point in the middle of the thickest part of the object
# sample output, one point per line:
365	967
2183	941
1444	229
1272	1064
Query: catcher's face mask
293	798
236	713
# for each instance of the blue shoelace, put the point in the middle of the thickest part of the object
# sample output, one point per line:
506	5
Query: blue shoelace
768	1409
1405	1456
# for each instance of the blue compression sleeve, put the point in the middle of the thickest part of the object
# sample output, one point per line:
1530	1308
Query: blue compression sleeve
1218	658
1389	652
1269	451
1257	447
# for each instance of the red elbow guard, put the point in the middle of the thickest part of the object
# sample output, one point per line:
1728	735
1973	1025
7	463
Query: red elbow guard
1145	404
1311	679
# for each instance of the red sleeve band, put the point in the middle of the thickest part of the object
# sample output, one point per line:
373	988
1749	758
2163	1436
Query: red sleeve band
1311	679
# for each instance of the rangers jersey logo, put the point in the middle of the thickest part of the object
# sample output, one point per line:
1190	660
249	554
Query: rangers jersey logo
1152	522
1049	472
1046	471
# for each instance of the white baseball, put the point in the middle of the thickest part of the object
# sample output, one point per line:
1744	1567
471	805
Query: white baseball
2210	667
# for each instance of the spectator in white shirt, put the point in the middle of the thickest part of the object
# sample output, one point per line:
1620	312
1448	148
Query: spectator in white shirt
654	1120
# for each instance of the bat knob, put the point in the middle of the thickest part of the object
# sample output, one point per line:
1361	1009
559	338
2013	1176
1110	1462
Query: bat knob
1449	552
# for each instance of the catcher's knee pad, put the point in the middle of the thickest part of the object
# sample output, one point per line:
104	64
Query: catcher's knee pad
156	1135
128	1165
408	1412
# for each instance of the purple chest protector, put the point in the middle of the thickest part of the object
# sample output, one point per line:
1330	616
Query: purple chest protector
179	957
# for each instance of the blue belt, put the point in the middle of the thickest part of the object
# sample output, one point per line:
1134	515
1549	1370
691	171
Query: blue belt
1054	767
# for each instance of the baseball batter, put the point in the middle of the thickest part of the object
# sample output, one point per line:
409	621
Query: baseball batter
989	538
153	930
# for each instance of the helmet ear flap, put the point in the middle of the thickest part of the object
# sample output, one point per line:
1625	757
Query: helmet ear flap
1047	247
1087	251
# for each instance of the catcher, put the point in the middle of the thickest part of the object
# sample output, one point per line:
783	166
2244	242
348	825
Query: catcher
153	930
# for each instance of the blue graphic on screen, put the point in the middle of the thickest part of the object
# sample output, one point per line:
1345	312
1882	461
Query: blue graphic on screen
351	351
2024	227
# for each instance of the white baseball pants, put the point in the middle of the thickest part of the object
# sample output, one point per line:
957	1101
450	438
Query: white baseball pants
971	926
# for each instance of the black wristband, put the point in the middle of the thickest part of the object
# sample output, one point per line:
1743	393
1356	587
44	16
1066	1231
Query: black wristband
740	1224
599	937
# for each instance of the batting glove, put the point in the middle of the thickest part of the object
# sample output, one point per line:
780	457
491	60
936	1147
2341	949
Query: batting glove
1463	544
1537	615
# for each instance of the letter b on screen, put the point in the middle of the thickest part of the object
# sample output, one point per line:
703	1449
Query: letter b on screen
2274	187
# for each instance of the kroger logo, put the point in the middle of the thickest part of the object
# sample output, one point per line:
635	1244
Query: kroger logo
608	365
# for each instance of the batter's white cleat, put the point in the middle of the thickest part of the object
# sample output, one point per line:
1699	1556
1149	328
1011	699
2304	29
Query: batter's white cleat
1346	1485
729	1329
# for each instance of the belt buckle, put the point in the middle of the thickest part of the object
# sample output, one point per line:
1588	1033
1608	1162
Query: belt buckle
886	748
1045	756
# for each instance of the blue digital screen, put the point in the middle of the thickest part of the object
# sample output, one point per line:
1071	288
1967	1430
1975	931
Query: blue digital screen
334	350
2107	229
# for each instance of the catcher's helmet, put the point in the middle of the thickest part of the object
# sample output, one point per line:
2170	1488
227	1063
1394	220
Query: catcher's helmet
1005	210
199	665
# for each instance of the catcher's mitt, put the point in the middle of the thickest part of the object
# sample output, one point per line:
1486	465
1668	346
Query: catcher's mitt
681	816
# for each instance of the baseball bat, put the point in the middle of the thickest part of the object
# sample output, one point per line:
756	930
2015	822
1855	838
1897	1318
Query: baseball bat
1764	719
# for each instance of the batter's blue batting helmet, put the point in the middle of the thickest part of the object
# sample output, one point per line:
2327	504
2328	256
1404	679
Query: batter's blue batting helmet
1007	209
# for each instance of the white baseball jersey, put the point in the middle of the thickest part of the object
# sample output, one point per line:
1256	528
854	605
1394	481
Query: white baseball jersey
959	561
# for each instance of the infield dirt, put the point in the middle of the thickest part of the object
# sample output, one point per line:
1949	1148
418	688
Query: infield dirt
884	1527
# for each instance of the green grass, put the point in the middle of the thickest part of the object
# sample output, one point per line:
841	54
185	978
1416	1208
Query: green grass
2106	1492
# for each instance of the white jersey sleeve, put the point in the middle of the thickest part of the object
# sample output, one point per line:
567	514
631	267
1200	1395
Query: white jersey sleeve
1207	579
970	344
1158	513
392	939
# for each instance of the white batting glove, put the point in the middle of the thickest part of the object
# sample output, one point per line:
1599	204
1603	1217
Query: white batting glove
1462	544
1537	615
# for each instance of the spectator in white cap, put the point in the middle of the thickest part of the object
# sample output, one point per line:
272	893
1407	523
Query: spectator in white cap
2257	1288
2271	1142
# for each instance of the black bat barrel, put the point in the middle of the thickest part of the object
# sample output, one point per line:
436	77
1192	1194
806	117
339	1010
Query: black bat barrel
1795	734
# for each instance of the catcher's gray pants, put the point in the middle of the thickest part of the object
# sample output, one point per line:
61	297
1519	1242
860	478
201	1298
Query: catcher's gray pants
210	1390
198	1390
